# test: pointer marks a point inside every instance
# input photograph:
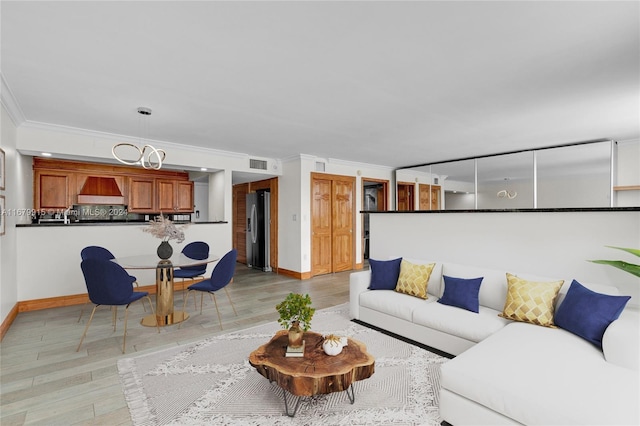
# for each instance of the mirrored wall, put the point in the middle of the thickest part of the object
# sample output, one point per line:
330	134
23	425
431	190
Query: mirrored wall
573	176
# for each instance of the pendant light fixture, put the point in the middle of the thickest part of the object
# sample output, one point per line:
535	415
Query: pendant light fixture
151	159
505	193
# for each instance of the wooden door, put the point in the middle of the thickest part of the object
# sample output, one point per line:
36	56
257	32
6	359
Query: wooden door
429	197
342	225
405	196
435	197
321	226
332	220
240	192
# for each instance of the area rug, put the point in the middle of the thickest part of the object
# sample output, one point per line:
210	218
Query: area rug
211	382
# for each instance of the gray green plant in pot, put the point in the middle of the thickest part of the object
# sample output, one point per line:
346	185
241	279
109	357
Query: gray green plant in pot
295	314
631	268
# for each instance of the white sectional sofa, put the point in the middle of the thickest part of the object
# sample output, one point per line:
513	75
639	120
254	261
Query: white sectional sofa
508	372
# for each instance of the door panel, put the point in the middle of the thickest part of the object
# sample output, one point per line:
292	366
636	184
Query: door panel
405	196
342	252
321	217
239	221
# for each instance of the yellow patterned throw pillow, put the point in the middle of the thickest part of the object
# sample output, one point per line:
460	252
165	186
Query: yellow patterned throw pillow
530	301
413	278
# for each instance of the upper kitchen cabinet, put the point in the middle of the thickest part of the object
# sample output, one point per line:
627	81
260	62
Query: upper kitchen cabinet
53	190
175	196
59	184
142	195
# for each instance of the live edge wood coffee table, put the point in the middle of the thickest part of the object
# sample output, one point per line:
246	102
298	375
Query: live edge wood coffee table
316	373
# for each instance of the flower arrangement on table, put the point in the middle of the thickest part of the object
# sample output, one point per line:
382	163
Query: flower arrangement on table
163	228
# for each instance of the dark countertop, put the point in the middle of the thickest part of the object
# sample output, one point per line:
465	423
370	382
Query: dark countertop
50	224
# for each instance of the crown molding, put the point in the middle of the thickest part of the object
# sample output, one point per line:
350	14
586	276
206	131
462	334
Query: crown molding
10	103
357	165
116	138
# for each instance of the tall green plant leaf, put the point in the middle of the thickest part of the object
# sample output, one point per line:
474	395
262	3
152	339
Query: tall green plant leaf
625	266
628	250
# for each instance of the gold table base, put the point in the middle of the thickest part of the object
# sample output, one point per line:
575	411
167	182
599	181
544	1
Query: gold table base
173	318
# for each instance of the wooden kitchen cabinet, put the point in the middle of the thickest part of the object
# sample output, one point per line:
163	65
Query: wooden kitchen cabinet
142	195
175	196
53	190
58	184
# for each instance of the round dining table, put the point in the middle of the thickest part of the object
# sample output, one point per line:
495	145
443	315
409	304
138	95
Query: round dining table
165	313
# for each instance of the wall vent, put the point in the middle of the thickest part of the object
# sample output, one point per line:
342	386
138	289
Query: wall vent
319	166
257	164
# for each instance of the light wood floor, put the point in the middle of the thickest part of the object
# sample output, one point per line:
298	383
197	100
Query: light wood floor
45	381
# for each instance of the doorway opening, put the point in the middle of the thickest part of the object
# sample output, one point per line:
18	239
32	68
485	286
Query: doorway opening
375	196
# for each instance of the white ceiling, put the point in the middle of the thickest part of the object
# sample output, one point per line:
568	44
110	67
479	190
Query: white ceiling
389	83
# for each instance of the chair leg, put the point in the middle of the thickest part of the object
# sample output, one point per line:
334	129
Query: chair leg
87	327
135	283
217	310
201	297
82	310
153	312
114	309
184	306
124	336
229	297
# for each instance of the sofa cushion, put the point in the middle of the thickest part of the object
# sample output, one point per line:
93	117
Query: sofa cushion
413	278
434	285
384	274
493	290
531	301
543	376
461	293
459	322
587	313
392	303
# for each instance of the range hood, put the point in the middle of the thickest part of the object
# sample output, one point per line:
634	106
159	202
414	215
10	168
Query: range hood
100	190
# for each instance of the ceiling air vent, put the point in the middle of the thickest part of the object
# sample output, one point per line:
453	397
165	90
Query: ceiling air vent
257	164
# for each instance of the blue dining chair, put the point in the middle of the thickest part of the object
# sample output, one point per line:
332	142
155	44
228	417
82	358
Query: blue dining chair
109	284
97	252
221	276
194	250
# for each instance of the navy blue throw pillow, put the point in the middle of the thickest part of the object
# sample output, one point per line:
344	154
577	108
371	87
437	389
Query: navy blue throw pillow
384	274
462	293
587	314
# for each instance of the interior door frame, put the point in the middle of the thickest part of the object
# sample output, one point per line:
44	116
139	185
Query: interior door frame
385	206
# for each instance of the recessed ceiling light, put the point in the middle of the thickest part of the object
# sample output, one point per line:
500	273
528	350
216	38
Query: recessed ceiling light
203	169
46	154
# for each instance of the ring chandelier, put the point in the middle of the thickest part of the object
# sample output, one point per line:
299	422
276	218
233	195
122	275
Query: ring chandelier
149	160
505	193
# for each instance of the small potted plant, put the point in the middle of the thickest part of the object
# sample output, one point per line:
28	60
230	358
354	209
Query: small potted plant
295	314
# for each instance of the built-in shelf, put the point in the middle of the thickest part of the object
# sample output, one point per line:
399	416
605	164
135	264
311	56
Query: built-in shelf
627	188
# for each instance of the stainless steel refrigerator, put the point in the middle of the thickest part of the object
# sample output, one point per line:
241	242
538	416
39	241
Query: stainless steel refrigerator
258	235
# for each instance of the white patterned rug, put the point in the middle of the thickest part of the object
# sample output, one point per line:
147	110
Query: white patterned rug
211	382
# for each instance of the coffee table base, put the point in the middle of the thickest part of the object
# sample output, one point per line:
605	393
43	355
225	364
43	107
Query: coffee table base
352	399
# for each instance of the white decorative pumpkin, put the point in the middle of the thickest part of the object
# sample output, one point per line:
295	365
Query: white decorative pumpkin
333	344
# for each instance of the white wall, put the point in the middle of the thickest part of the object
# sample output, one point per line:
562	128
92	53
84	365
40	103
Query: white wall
201	202
628	173
219	198
48	258
548	244
8	286
290	215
